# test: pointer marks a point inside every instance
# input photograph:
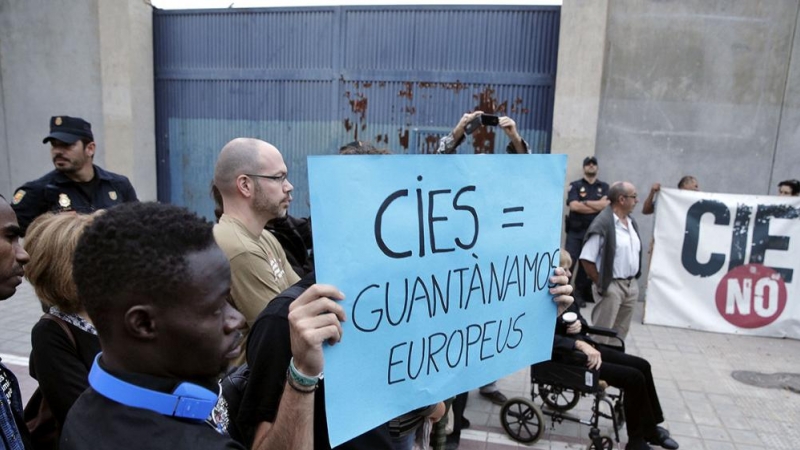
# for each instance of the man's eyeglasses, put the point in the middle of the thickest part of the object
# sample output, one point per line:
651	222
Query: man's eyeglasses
631	196
279	178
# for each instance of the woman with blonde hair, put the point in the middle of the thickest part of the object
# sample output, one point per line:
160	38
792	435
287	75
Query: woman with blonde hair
64	341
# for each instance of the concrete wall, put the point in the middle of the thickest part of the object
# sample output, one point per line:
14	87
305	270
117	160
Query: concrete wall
86	58
581	54
787	153
708	88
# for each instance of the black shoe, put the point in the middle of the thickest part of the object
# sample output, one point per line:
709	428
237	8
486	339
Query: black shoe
465	423
662	439
664	442
451	443
495	397
637	444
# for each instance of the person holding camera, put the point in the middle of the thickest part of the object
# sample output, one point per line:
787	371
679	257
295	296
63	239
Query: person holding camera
471	121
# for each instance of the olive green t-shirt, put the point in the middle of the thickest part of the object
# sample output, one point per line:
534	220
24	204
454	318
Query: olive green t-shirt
259	269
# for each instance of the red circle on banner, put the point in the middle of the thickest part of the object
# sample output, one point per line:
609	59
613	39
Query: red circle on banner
751	296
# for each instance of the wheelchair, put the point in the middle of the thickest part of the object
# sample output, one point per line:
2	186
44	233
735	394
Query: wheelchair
560	384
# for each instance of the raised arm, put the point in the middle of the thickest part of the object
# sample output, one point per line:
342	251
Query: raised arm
449	143
314	318
649	206
517	144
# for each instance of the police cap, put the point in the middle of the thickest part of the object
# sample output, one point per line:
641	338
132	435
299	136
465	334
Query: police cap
68	129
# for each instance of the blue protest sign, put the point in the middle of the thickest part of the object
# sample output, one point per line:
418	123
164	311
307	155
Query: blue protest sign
445	261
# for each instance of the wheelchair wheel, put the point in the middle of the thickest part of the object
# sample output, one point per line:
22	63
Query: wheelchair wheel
602	442
558	398
522	420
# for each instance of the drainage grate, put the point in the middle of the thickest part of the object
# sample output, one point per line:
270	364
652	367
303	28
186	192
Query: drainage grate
788	381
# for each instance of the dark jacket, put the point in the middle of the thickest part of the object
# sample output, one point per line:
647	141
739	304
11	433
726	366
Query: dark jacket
13	433
581	190
268	354
61	367
603	225
54	192
294	235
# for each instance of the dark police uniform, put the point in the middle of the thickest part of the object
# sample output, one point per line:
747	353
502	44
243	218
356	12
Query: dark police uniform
581	190
577	224
55	192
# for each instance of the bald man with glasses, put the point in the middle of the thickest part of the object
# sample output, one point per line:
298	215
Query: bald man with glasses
251	178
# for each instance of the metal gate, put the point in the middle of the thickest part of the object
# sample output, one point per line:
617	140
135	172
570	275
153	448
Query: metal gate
311	79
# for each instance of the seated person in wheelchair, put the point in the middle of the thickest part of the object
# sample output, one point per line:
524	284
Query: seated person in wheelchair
627	372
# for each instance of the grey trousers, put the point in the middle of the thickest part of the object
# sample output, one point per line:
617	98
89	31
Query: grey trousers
614	309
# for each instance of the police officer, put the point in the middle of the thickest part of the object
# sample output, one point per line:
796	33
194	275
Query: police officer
586	198
76	184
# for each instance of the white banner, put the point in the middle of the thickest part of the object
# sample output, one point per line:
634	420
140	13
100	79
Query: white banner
726	263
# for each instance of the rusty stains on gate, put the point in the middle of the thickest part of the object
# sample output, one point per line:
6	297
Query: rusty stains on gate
403	137
358	106
517	108
430	144
483	139
408	92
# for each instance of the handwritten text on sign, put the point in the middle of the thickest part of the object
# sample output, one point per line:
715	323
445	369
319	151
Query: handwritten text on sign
445	261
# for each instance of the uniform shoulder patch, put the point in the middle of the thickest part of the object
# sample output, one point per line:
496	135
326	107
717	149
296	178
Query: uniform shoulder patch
112	195
18	196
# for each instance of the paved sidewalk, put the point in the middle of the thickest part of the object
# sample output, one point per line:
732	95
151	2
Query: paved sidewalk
706	409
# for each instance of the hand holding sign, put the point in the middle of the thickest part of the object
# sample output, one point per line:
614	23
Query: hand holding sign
561	289
314	319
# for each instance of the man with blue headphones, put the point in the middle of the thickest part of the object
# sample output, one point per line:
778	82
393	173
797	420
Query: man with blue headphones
156	287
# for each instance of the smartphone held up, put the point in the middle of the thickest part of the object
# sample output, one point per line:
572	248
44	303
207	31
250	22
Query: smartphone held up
481	120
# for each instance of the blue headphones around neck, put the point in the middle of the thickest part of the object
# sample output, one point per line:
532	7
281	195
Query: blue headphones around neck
187	401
